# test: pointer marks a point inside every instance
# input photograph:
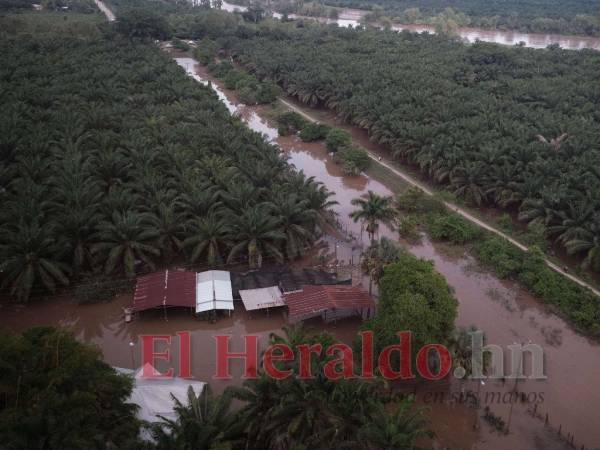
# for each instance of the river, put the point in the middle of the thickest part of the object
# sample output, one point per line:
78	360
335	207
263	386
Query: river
351	17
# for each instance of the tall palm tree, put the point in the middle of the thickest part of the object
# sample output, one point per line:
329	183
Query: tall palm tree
296	221
204	423
398	430
124	239
30	255
256	233
209	236
469	182
168	222
377	257
588	242
373	210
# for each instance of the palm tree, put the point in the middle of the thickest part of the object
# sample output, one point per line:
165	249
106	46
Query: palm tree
168	222
469	182
296	221
123	239
209	237
377	257
588	242
398	430
256	233
374	209
205	423
30	255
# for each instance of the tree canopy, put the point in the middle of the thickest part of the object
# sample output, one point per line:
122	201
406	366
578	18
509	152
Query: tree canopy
113	161
58	393
516	128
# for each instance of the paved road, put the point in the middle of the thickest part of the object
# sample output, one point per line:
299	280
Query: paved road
457	209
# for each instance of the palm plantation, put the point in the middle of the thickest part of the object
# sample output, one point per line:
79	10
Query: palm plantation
149	176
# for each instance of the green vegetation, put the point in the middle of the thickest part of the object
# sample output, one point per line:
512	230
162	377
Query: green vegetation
323	413
113	162
353	160
336	139
413	296
314	131
373	210
548	16
452	228
249	89
142	23
290	123
79	6
508	127
577	304
58	393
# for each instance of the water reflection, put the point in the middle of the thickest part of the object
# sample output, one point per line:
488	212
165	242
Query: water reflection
352	18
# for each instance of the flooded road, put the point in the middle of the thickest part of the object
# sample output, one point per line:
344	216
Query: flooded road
352	17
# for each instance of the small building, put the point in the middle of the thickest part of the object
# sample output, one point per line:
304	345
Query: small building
170	288
201	292
330	302
262	298
154	397
213	291
286	279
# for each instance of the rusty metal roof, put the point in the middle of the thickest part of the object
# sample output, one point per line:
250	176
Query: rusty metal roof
167	288
314	299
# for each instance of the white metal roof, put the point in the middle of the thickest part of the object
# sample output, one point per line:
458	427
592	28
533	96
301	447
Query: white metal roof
153	396
268	297
213	291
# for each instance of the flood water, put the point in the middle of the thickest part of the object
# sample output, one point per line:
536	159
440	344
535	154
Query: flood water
352	17
506	313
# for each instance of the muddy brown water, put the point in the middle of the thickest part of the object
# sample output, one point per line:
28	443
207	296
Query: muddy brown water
505	311
352	18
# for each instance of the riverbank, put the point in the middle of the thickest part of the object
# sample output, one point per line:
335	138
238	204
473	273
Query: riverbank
503	309
355	17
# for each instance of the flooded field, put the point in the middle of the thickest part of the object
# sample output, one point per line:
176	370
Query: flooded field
352	17
506	312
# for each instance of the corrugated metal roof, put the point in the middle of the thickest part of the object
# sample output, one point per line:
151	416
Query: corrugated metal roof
167	288
312	300
268	297
213	291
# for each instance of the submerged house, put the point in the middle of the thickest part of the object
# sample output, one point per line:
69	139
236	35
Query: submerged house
200	292
330	302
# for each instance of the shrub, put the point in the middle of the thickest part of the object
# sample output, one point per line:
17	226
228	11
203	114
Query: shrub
353	160
314	131
452	228
180	45
267	92
99	288
205	51
289	123
414	200
336	139
221	69
407	227
579	305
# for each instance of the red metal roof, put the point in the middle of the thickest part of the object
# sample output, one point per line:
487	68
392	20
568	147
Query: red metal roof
314	299
168	288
